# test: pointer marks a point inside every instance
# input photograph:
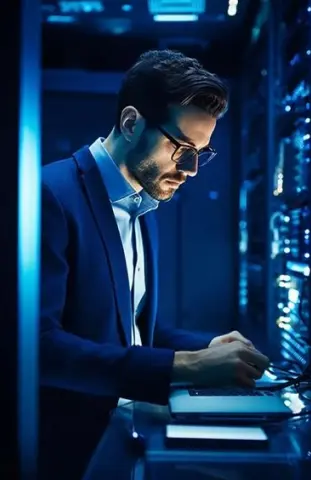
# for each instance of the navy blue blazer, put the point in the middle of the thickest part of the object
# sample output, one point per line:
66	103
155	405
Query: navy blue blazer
86	360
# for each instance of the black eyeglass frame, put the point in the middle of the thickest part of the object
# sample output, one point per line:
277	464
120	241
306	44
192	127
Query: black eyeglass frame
179	145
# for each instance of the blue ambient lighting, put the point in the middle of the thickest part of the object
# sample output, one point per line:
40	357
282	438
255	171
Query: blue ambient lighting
175	18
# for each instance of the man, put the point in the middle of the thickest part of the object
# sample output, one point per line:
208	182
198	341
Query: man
100	338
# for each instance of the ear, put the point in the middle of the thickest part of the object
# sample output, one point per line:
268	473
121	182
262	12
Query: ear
130	121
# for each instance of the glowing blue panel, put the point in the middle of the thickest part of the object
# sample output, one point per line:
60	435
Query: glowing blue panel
29	214
82	6
176	6
60	19
175	18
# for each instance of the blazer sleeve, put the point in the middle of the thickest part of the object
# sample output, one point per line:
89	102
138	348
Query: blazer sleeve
180	340
73	363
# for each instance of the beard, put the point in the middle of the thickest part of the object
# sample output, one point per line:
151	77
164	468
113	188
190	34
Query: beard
144	168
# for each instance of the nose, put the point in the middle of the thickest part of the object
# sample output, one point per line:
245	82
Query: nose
190	167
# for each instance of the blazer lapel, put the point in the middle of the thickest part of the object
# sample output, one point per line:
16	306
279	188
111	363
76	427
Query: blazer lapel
103	214
147	324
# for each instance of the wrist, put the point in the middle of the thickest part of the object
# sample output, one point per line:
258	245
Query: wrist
183	367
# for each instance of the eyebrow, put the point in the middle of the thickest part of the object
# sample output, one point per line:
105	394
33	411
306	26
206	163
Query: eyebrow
183	138
186	139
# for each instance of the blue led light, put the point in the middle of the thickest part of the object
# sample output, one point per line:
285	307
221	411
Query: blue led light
60	19
213	195
175	18
81	6
127	7
29	237
176	6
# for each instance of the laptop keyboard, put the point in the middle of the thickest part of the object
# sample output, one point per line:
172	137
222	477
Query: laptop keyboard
234	391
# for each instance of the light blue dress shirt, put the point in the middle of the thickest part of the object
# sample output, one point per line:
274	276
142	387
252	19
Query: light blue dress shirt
128	206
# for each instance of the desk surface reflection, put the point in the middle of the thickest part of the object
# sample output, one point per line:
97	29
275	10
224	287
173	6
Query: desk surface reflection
122	455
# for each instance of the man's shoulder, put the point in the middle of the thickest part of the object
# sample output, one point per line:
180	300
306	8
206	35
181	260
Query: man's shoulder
60	180
60	175
57	167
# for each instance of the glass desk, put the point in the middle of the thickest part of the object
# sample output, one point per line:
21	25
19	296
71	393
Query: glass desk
123	455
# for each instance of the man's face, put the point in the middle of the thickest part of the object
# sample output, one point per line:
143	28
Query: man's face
149	156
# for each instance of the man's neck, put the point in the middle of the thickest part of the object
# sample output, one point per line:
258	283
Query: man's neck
113	146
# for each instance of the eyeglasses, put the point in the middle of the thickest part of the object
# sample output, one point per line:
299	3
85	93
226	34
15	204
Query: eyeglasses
186	154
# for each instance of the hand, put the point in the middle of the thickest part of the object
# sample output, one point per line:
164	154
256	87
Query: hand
230	337
224	365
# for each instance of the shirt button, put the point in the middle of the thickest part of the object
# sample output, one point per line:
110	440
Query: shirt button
136	199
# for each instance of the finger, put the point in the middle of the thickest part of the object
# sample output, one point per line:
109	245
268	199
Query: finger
235	335
246	381
252	372
253	356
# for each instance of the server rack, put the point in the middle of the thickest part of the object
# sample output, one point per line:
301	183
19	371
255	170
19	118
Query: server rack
290	220
275	194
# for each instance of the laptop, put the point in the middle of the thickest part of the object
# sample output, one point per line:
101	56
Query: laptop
201	405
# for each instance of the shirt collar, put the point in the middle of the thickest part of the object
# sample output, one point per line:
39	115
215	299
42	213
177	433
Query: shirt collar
119	190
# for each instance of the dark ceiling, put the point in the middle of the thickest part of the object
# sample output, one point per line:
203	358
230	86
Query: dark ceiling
110	34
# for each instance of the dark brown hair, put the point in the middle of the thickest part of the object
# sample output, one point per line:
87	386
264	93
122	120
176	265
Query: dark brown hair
163	77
